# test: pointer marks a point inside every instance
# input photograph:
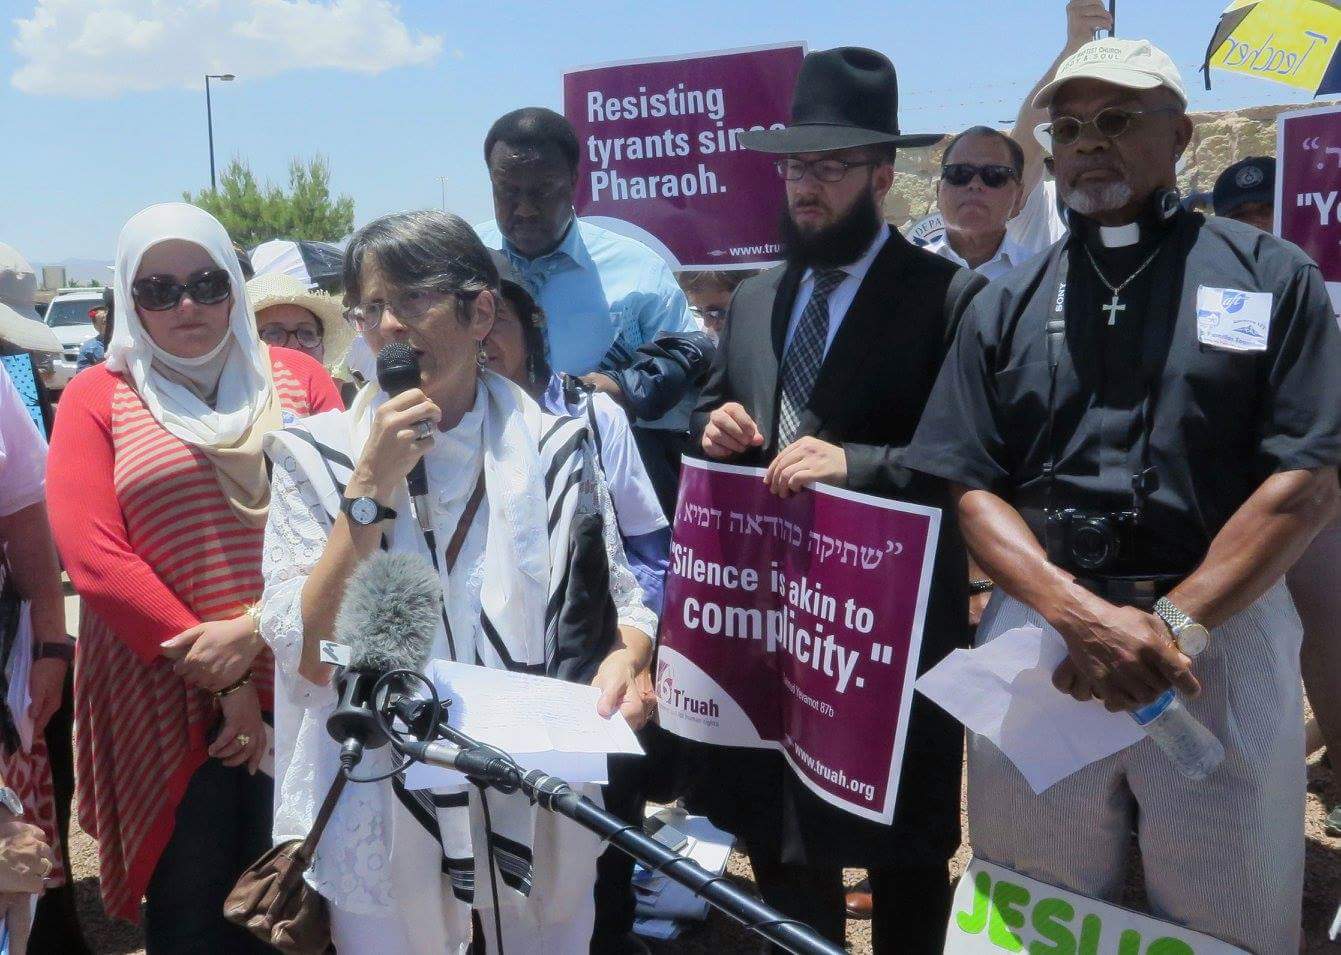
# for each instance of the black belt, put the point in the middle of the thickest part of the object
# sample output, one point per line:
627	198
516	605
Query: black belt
1130	591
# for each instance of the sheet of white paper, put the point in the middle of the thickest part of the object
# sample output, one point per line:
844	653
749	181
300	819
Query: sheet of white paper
17	671
659	897
708	845
546	724
1004	691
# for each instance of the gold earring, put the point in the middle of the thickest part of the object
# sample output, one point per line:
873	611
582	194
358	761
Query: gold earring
481	356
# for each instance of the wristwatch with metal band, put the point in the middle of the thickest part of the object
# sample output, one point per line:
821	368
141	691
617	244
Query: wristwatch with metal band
1191	637
365	511
9	801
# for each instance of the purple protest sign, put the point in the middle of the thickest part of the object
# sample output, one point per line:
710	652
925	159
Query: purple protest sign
1308	169
660	160
796	625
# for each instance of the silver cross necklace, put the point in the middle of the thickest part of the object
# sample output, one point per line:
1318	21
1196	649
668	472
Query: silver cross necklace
1115	306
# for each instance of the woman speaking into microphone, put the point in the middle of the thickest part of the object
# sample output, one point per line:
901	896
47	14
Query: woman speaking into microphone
522	532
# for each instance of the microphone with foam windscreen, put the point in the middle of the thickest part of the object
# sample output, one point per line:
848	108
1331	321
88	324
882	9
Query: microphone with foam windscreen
398	372
388	619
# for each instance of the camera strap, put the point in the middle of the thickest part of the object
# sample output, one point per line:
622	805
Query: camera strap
1159	319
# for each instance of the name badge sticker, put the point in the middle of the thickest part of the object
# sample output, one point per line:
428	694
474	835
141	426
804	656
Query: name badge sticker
332	652
1233	320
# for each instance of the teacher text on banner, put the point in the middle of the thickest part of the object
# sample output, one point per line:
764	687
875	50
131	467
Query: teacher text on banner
660	158
795	624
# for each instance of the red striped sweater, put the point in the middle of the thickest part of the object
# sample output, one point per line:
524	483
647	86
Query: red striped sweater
152	547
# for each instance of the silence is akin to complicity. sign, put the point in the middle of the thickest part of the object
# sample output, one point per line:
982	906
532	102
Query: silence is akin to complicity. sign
796	624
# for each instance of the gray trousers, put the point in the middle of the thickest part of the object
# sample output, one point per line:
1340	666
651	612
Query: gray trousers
1224	856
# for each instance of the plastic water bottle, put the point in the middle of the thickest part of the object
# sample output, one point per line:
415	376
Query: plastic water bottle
1192	747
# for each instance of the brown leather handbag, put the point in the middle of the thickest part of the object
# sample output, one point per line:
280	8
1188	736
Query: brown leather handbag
275	903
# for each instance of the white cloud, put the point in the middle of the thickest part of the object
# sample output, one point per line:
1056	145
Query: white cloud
101	48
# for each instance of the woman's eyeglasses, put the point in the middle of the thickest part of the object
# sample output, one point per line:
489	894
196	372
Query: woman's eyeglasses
710	317
408	306
992	176
1109	123
158	293
279	336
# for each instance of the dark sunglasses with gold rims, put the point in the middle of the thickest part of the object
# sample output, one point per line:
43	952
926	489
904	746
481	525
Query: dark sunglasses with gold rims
158	293
1109	123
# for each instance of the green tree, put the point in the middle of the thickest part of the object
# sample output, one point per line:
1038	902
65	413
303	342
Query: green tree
253	213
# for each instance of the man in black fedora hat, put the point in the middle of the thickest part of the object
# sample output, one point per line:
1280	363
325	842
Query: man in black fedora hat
821	376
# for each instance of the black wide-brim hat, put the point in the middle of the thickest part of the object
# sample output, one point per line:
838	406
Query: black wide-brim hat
844	98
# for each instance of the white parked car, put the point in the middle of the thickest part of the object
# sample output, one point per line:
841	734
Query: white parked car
68	316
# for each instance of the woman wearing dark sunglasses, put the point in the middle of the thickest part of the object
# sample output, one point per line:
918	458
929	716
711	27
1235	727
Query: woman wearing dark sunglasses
158	495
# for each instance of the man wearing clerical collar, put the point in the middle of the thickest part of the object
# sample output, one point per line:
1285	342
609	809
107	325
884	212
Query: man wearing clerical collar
1153	429
978	190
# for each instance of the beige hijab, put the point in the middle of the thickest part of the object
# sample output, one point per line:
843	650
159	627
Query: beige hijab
223	403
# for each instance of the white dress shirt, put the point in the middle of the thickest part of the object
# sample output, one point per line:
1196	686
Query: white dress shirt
840	299
1008	255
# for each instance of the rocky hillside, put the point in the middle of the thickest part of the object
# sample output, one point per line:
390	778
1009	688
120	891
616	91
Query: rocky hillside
1220	139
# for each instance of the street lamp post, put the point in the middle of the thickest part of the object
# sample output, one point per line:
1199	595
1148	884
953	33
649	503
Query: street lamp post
209	117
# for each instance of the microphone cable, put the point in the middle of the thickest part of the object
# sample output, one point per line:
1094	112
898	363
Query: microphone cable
392	734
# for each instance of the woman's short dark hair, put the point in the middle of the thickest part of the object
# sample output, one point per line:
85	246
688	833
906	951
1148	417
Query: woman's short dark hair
533	127
1012	147
428	250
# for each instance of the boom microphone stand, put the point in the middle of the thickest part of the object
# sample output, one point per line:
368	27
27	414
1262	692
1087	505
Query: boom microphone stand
488	766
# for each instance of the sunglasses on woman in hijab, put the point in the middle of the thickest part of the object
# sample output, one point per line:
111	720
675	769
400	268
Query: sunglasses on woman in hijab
158	293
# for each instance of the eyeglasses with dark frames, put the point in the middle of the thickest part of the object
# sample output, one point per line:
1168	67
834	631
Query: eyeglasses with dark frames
279	336
825	170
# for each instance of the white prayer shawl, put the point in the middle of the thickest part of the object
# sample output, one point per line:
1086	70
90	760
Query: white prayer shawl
244	385
527	454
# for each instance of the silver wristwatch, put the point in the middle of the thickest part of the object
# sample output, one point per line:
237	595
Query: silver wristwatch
1191	637
10	801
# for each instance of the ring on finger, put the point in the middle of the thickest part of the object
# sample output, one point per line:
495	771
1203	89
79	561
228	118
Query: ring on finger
46	868
242	739
423	430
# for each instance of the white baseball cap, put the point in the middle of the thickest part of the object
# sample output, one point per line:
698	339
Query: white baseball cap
1132	64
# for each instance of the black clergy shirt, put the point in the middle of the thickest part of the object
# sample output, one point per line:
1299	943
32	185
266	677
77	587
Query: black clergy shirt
1221	421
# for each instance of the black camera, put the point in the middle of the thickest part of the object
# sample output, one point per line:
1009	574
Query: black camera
1091	541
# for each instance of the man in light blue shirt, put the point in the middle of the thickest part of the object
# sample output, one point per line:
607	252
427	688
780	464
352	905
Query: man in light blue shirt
603	294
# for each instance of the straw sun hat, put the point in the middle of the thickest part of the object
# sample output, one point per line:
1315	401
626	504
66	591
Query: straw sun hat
279	289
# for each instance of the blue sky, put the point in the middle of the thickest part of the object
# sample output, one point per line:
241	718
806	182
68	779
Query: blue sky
79	162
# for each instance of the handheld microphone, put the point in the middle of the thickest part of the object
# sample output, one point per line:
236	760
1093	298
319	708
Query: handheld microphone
398	372
388	619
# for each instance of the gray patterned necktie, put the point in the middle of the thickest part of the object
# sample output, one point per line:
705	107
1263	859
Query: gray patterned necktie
805	354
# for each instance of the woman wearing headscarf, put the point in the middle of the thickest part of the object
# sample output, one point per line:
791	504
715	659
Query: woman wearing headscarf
539	583
158	495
